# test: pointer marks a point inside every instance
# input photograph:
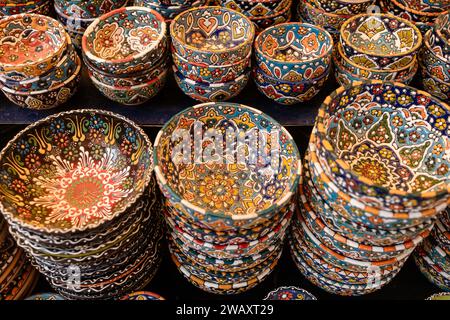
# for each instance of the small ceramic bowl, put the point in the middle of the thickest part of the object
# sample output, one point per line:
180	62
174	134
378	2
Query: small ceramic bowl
212	35
205	92
135	95
86	9
201	72
431	83
396	40
294	51
254	9
48	98
125	40
435	65
384	130
283	16
288	93
320	17
40	37
403	9
343	7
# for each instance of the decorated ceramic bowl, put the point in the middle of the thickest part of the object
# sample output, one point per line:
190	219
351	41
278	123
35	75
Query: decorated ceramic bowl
320	17
30	45
344	7
442	29
45	296
87	9
106	161
202	72
43	99
283	16
125	40
212	35
396	40
134	95
142	295
171	11
437	40
10	8
206	92
73	22
431	83
435	65
255	8
289	293
431	271
427	5
288	93
402	9
349	131
294	51
226	211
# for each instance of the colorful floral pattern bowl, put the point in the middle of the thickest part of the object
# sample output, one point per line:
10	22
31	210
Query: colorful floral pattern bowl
87	9
30	45
294	51
435	64
320	17
439	38
289	294
74	171
383	39
212	35
385	144
125	40
226	191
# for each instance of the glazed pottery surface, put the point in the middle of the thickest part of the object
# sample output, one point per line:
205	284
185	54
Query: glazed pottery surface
87	9
427	5
319	17
440	47
434	63
289	294
255	8
170	12
10	8
341	6
401	9
264	22
439	88
142	296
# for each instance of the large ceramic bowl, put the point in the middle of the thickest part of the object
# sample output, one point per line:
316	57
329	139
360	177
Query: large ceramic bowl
344	7
125	40
383	39
320	17
30	45
74	171
385	143
255	8
226	192
294	51
87	9
212	35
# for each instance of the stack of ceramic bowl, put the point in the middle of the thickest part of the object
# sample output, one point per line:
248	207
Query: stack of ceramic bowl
126	53
377	47
169	9
435	59
9	8
375	178
331	14
264	13
212	48
17	276
41	70
77	15
422	13
80	198
293	61
229	174
433	256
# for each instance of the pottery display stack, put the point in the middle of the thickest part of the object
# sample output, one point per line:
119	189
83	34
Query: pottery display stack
37	72
77	15
9	8
131	68
169	9
433	255
435	59
227	211
331	14
375	178
79	195
212	52
377	47
293	61
262	12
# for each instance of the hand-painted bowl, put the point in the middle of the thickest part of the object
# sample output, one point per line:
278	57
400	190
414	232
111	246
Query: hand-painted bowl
385	126
344	7
213	35
226	195
47	98
442	27
88	9
206	92
427	5
431	271
202	72
288	93
142	295
256	8
134	95
294	51
100	163
283	16
335	33
289	294
30	45
73	22
394	41
433	84
125	40
435	65
10	8
402	8
439	38
320	17
45	296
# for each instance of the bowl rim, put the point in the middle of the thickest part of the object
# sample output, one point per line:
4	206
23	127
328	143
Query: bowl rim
90	29
207	65
246	42
299	24
323	12
279	203
129	203
321	134
408	23
428	47
417	12
136	87
429	75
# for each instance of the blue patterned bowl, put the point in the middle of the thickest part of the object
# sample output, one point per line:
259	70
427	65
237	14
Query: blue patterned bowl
289	294
294	51
439	88
142	296
288	93
434	61
88	9
439	37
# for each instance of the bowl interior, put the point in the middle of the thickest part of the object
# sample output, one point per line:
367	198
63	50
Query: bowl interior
29	39
212	28
74	170
203	162
124	33
294	42
394	136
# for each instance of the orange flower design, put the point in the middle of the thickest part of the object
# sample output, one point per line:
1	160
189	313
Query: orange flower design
270	45
310	43
108	41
